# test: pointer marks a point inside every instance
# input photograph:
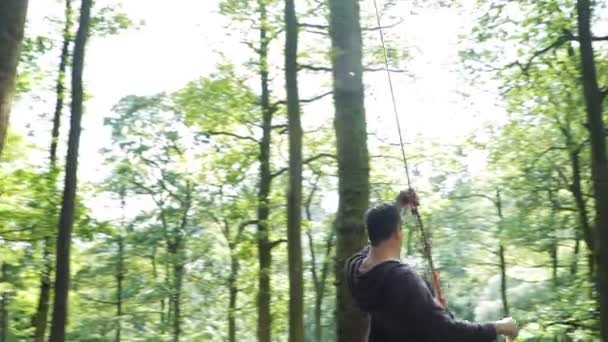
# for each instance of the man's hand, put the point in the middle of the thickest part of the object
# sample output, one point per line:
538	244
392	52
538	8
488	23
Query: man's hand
408	199
507	327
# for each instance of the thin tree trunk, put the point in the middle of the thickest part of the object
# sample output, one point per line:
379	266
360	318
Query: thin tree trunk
155	275
553	253
169	299
574	265
60	83
12	26
264	324
66	220
178	274
353	158
233	293
318	281
294	196
503	280
501	255
325	269
577	191
4	327
120	275
599	160
42	311
410	242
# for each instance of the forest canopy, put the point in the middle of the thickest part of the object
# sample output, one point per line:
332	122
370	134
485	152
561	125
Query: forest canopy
200	170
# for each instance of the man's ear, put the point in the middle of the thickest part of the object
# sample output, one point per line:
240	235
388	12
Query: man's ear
398	233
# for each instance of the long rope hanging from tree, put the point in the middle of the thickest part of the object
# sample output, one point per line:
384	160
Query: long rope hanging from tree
425	238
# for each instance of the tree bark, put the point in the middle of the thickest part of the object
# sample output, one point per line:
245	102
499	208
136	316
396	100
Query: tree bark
12	27
233	293
155	276
178	275
577	192
4	326
320	280
503	280
42	311
294	195
501	255
554	254
66	219
264	323
574	265
353	158
120	276
599	160
60	82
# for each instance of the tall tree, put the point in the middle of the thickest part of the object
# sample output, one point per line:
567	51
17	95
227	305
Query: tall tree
66	219
264	186
294	196
599	160
353	158
41	316
12	27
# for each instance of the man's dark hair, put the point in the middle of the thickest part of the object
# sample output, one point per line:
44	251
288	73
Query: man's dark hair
381	222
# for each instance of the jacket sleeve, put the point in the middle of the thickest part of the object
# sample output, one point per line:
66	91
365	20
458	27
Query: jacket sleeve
433	319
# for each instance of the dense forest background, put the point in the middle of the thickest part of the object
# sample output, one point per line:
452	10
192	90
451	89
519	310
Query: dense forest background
199	170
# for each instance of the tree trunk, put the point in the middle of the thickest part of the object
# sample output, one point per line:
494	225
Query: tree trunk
353	158
66	219
155	275
60	83
233	293
501	255
12	26
294	196
42	309
264	323
574	265
410	243
577	191
178	274
120	276
503	280
4	326
599	160
168	302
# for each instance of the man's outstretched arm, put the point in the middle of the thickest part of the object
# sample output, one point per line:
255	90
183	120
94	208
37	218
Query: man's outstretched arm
436	322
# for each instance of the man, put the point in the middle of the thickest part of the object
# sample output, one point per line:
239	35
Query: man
400	305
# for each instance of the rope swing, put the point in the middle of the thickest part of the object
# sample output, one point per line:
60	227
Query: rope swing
425	238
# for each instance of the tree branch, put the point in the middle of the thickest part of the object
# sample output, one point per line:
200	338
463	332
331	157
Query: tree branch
375	69
556	44
304	162
241	228
107	302
314	26
275	243
313	68
367	29
316	98
604	93
234	135
309	100
326	69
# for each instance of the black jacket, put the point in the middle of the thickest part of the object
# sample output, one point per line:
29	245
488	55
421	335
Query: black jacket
402	309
